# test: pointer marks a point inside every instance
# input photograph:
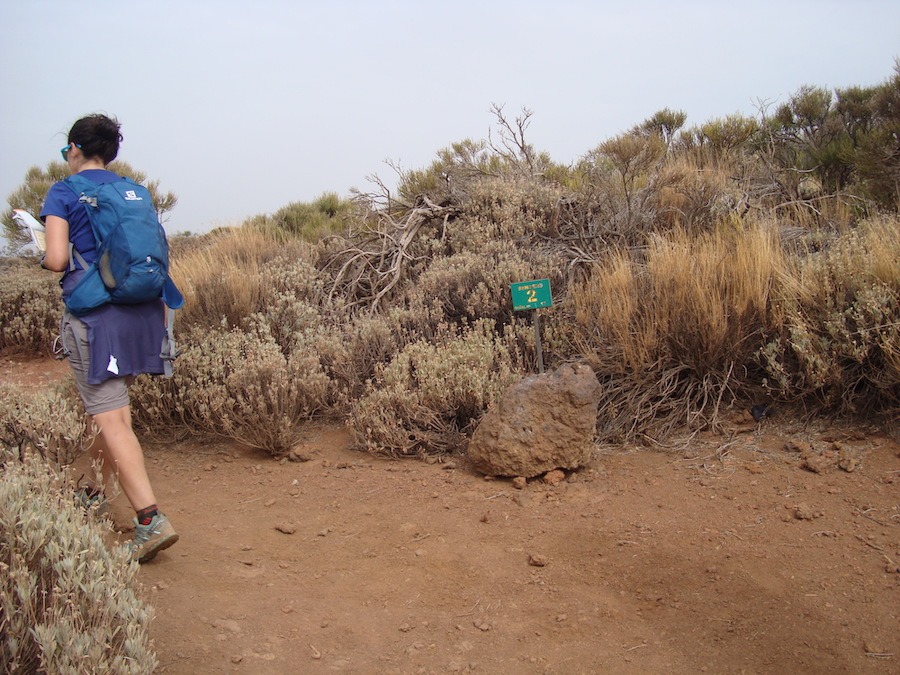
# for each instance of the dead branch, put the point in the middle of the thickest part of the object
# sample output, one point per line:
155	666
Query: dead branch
513	146
369	270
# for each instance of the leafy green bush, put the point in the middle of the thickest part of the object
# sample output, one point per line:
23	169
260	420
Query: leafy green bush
31	194
310	221
68	603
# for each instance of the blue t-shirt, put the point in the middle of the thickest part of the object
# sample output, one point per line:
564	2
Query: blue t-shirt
132	334
63	202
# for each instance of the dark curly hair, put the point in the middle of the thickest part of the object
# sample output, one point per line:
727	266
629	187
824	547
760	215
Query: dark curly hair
98	136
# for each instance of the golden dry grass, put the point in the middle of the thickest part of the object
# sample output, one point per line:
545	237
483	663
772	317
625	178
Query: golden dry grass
223	280
691	298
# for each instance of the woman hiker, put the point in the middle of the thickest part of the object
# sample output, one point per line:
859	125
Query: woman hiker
110	345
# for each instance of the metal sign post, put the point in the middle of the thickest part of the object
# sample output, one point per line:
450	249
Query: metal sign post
537	341
533	295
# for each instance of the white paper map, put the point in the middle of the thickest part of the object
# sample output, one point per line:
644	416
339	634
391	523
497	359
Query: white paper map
34	226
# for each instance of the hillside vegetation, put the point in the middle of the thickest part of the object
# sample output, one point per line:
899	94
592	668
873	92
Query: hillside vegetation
742	262
746	260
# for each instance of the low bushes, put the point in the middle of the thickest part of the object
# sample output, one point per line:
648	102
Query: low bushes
836	336
50	423
693	269
428	398
677	330
30	307
239	385
68	603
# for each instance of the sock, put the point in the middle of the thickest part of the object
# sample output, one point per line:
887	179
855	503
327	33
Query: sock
144	516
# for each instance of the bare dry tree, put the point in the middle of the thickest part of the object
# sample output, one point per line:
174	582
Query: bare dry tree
513	147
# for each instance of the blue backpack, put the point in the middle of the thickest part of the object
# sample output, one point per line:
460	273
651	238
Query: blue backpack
132	264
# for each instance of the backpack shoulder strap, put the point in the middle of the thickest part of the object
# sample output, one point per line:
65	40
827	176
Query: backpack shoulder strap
79	184
173	300
74	256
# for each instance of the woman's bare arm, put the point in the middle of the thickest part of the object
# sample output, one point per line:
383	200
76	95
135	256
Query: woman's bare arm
57	235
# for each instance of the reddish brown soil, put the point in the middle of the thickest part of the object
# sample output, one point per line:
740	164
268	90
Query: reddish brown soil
726	556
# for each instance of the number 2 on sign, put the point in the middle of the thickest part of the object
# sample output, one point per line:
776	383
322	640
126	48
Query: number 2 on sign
532	295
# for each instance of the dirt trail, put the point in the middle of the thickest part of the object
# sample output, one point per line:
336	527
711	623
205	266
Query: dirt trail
726	557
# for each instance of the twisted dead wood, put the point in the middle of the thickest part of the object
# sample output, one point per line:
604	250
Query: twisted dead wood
369	270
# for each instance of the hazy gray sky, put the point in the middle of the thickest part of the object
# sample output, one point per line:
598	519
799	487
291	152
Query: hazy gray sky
243	107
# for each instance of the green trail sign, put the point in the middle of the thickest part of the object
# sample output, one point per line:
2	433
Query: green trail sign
531	294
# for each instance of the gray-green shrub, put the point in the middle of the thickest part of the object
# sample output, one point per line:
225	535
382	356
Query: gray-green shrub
50	422
30	307
68	602
236	384
472	285
429	397
838	315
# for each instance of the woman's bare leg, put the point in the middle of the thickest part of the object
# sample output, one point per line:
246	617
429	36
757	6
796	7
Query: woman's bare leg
120	454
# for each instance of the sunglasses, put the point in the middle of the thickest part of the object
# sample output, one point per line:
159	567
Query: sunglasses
65	151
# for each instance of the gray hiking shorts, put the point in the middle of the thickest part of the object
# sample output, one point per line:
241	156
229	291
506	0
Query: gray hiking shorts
98	398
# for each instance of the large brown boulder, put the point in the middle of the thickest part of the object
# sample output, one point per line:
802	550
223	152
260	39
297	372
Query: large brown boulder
542	423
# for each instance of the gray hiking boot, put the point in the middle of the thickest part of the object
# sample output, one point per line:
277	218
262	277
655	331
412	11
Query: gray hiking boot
153	538
92	502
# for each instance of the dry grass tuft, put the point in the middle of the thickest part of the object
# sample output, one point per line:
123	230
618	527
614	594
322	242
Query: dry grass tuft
673	329
223	280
